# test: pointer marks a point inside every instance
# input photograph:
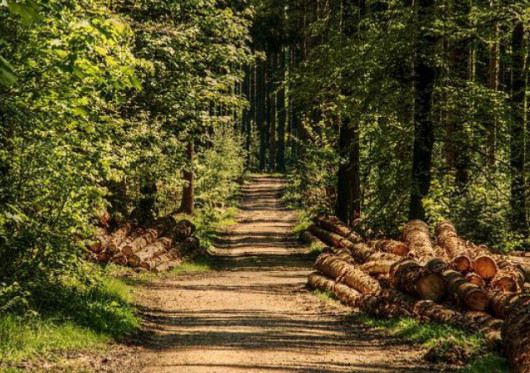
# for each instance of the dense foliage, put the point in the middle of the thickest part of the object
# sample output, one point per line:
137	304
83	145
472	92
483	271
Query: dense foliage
99	103
398	110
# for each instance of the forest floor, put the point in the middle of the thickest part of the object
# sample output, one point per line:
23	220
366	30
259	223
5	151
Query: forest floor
253	313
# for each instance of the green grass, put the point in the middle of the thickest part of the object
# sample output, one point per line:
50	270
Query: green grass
324	295
200	264
443	342
428	334
489	363
68	317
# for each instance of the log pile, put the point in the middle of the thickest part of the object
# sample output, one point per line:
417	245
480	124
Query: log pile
157	248
445	279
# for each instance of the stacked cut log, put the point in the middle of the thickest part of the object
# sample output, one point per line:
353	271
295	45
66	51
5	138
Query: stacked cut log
157	248
450	281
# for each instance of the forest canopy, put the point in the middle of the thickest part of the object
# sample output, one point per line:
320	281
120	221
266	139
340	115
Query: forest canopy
379	111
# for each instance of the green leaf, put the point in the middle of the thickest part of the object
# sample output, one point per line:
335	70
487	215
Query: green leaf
7	75
27	10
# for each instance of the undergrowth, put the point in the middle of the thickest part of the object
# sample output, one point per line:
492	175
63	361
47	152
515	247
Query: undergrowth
67	316
444	343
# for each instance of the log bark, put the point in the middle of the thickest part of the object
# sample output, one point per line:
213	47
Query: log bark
504	280
310	239
454	246
118	237
484	264
148	237
149	252
502	303
377	268
475	279
346	273
409	276
359	251
516	336
333	224
391	246
328	237
416	234
390	302
466	293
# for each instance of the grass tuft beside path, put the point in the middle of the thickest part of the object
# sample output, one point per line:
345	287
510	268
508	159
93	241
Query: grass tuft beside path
68	317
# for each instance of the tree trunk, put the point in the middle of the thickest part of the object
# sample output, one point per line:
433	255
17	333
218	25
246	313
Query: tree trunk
187	204
493	84
517	133
281	113
424	73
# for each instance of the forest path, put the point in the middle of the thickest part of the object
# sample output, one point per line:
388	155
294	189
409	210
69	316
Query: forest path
253	313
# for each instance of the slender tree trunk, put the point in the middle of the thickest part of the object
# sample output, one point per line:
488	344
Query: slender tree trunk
261	123
271	111
493	84
460	66
517	132
281	114
423	124
188	195
348	207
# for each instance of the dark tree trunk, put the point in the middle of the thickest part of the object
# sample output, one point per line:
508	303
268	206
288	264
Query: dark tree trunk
423	125
188	195
260	115
271	111
493	84
281	114
517	132
348	207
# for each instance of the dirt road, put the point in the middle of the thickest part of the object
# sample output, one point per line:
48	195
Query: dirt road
254	315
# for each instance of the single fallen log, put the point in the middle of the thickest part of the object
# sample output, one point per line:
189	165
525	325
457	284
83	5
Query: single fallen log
310	239
409	276
346	273
466	293
333	224
150	251
454	246
504	280
416	234
475	279
484	264
148	237
502	303
391	246
359	251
